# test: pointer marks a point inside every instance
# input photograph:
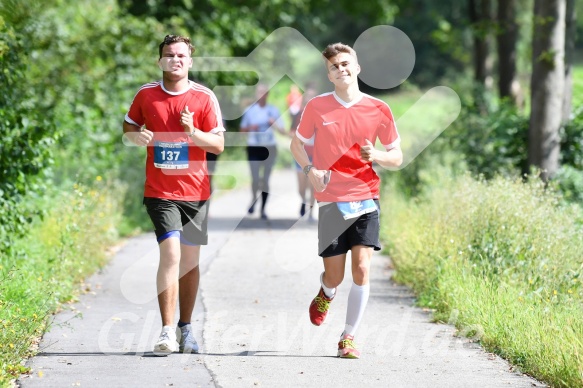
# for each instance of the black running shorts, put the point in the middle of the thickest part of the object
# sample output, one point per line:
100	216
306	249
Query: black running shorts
336	236
190	217
261	153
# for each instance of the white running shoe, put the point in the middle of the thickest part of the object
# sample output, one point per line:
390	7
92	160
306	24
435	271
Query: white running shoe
186	339
166	343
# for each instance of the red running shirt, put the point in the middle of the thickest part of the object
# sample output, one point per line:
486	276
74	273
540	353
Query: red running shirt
175	167
340	128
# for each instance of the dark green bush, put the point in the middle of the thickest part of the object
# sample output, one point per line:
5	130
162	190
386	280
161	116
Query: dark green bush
569	178
572	141
491	142
569	181
28	136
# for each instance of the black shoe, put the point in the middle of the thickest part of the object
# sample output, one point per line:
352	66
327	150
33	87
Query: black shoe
263	216
302	209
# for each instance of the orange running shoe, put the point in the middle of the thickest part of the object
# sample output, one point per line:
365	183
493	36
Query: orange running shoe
347	348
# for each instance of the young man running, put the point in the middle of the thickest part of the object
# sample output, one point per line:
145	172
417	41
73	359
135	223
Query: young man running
179	120
346	124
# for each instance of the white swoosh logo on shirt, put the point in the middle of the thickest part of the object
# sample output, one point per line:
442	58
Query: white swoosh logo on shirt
328	123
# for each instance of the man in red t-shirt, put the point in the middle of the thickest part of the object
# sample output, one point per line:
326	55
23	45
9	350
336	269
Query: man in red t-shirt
346	124
179	120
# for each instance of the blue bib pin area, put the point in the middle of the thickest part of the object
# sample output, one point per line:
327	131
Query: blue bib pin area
356	208
171	155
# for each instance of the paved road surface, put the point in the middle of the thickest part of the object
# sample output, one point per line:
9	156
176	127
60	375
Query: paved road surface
252	319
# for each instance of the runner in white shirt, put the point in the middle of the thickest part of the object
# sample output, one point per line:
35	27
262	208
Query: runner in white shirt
260	120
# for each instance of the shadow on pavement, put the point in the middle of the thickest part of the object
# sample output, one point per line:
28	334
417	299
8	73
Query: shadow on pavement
247	353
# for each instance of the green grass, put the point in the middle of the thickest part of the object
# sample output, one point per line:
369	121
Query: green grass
46	268
505	257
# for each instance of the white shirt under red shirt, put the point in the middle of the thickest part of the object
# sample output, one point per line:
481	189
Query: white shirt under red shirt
339	129
175	167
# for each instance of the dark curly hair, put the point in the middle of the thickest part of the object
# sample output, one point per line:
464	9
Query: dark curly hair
170	39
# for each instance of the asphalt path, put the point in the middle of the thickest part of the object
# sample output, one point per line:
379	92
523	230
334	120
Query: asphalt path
251	318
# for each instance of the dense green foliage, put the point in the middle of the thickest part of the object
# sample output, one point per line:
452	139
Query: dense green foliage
28	135
69	86
492	143
572	140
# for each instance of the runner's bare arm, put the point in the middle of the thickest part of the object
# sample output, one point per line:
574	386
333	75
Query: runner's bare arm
275	124
386	159
249	128
213	142
209	141
136	135
315	176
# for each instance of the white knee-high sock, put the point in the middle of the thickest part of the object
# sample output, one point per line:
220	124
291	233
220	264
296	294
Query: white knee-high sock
357	300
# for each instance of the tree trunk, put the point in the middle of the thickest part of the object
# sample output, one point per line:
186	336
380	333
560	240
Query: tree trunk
481	19
547	85
507	37
570	31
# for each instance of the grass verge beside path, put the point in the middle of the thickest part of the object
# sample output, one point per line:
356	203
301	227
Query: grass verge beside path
47	267
504	259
